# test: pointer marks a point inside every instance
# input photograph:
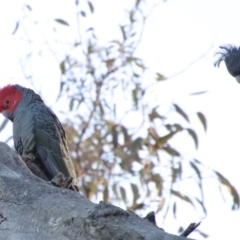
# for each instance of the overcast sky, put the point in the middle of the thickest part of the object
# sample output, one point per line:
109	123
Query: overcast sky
177	33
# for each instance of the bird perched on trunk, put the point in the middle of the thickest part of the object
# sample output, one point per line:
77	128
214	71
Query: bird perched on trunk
37	131
231	56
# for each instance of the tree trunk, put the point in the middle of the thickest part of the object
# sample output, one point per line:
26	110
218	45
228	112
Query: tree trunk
32	209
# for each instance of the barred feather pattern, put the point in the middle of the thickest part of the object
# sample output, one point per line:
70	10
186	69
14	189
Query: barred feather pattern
37	130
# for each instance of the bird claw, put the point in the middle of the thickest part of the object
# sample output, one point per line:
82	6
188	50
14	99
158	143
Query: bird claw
60	180
28	157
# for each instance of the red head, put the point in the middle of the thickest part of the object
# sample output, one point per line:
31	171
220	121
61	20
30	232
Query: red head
10	96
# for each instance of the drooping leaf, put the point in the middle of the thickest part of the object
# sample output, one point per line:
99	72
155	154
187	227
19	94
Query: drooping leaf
194	136
135	97
62	67
16	28
152	131
115	136
198	93
139	63
137	143
29	7
203	234
101	108
125	134
137	3
91	6
71	103
123	32
171	151
135	193
158	181
202	205
181	112
136	206
175	210
202	120
166	138
160	77
161	204
232	190
154	115
114	188
61	21
105	194
123	194
175	173
196	169
182	197
83	13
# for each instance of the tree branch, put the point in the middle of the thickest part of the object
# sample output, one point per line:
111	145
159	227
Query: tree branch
31	208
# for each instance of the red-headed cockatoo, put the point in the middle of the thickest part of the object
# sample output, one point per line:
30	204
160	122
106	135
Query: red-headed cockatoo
36	130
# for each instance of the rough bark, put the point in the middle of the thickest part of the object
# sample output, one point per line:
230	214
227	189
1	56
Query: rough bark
31	208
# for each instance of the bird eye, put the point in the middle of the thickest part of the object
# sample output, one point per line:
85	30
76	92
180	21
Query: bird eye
7	101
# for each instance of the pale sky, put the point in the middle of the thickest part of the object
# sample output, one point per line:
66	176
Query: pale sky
177	33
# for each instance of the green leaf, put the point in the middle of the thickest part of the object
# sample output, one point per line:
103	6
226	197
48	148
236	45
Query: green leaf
182	197
194	136
16	28
198	93
136	206
137	3
83	13
61	21
135	192
158	181
29	7
135	96
123	194
140	64
62	67
123	32
105	194
232	190
71	104
175	173
137	143
174	210
115	136
198	172
152	132
202	205
91	6
181	112
171	151
202	120
194	166
101	108
160	205
114	188
125	134
160	77
166	138
154	114
204	235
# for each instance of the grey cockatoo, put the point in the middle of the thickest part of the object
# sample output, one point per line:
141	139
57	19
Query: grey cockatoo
36	130
231	56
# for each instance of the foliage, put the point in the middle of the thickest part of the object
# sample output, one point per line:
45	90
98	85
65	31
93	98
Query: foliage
123	147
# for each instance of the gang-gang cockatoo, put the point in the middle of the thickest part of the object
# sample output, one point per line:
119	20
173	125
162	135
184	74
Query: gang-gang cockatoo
37	131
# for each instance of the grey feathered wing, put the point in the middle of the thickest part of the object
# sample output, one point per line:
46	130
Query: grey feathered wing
51	143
